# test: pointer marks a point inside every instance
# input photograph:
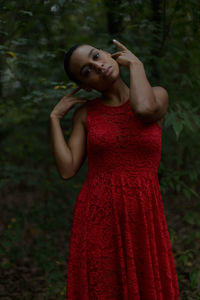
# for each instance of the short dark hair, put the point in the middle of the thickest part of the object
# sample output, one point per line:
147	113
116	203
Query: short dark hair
67	58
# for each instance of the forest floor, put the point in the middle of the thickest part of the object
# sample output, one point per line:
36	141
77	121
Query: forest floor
35	240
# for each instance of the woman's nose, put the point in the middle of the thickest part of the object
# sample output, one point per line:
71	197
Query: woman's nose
99	66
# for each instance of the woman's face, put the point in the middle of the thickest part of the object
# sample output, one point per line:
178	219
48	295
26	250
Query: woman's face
94	68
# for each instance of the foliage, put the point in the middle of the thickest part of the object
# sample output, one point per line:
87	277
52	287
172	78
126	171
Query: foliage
34	37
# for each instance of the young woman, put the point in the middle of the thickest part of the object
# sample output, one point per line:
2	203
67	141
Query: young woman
120	247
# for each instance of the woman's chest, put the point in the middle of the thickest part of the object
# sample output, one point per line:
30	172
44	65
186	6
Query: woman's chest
122	130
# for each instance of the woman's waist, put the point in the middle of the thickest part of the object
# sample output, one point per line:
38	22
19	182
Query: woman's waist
121	170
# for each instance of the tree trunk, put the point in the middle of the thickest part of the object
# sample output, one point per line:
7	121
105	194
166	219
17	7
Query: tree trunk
114	18
156	49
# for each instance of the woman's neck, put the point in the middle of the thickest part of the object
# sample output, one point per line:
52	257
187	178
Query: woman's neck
117	94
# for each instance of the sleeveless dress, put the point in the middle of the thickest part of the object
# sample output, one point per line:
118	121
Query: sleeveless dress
119	246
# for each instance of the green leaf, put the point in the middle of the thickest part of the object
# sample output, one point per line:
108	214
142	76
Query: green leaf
61	2
26	12
171	116
178	127
187	194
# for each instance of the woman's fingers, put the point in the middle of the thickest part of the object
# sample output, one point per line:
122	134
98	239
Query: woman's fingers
76	100
120	45
116	54
82	99
71	93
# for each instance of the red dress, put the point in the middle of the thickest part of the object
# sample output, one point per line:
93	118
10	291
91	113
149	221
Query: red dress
119	244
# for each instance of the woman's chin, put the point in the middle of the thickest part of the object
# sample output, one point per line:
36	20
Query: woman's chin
115	76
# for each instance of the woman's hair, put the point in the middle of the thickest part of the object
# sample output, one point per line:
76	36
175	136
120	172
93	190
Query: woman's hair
67	58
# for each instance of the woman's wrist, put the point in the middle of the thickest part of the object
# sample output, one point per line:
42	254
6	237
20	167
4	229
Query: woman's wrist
53	116
134	63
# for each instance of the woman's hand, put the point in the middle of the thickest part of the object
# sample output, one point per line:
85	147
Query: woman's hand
124	57
66	103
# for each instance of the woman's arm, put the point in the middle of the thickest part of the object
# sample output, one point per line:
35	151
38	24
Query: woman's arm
61	151
142	98
149	104
69	156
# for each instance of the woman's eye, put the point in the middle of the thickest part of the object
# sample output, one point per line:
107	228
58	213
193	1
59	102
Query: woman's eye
96	56
87	72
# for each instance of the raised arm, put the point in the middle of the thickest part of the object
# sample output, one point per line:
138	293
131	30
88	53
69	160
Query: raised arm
68	156
149	103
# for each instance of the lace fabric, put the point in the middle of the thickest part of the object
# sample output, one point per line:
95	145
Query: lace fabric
120	247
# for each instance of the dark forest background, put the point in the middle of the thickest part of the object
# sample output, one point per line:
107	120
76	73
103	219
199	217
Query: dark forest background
36	204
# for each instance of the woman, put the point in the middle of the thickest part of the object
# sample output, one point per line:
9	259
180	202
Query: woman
119	244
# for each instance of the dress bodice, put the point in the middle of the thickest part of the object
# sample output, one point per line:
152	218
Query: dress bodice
117	141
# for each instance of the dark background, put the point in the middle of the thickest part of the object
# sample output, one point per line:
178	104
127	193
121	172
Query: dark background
36	204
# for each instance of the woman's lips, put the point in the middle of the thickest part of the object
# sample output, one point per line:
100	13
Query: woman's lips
108	71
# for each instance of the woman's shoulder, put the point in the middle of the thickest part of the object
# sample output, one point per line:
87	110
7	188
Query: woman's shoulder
81	111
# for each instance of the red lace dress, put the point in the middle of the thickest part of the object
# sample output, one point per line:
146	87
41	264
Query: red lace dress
119	245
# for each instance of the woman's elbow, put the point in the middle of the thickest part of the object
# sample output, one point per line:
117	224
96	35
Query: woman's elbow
66	176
